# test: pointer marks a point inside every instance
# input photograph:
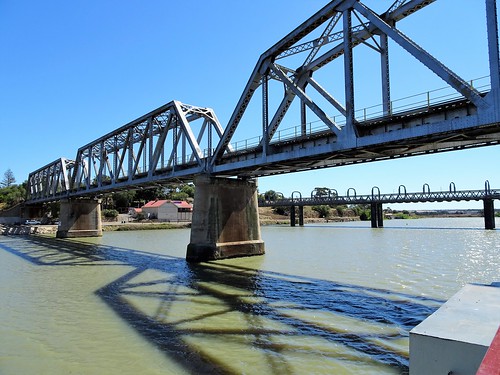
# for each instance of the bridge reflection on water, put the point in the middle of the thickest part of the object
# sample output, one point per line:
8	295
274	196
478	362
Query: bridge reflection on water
272	322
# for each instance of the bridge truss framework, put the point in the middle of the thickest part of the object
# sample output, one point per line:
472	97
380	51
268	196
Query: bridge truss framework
177	142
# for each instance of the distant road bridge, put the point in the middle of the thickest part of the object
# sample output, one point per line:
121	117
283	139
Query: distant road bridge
330	197
179	142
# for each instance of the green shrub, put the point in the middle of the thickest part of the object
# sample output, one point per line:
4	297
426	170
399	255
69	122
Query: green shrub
110	214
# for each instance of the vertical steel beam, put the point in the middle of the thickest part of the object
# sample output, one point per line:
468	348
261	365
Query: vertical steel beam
101	163
494	55
265	115
292	216
151	126
386	88
209	140
88	168
303	119
116	172
130	146
348	73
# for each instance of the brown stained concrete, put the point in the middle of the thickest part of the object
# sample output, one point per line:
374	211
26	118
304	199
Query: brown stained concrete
225	220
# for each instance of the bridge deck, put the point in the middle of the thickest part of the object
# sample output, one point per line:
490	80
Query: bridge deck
440	196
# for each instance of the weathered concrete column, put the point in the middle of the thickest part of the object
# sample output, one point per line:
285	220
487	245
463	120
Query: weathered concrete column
80	218
225	220
489	214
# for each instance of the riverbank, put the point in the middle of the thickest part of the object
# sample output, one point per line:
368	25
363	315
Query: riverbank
267	217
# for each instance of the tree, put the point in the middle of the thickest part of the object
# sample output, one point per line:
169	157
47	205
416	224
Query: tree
323	210
180	191
150	194
110	214
271	195
321	192
124	199
178	196
8	178
12	195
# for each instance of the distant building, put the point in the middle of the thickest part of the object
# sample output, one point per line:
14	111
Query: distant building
167	210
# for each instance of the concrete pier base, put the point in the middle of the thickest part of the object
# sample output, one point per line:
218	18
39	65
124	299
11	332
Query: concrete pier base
80	218
225	220
456	337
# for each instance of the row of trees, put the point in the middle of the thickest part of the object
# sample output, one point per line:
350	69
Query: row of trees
10	193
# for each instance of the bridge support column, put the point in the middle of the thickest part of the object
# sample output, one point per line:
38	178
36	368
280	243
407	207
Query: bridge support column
380	215
80	218
301	216
489	214
292	216
377	215
225	220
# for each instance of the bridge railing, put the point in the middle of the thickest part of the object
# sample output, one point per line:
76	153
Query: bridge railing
417	102
377	197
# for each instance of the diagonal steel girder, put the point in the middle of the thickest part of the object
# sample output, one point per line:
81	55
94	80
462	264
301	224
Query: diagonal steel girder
131	154
262	67
302	95
397	12
50	179
423	56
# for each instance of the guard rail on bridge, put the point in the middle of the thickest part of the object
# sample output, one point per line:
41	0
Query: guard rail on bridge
401	196
325	196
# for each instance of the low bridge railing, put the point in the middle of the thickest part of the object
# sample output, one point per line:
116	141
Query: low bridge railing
324	196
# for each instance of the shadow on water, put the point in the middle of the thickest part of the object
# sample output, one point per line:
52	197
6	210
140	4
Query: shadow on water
186	310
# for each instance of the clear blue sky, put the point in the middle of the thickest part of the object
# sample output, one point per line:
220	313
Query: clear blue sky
71	71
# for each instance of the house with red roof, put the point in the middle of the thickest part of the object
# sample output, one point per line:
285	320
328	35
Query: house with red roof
168	210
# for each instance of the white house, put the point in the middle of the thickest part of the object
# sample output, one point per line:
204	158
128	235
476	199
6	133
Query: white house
167	210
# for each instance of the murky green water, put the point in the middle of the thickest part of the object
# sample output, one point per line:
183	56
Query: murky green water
325	299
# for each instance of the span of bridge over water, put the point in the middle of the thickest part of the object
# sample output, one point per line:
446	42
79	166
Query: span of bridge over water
377	199
182	143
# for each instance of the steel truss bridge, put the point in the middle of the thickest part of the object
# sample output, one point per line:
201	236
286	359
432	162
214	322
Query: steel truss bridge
177	142
331	197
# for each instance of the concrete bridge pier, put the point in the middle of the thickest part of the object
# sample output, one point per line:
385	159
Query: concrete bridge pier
225	220
377	215
80	218
293	216
489	214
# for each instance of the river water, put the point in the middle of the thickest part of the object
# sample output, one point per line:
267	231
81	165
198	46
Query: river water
325	299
